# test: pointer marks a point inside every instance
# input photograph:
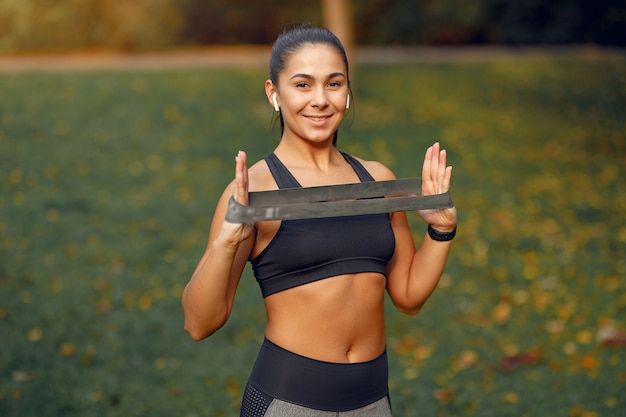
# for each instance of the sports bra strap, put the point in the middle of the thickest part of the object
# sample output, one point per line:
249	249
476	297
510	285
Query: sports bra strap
285	179
360	170
282	176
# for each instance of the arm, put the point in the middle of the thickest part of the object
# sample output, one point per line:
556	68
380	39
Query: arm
208	297
413	274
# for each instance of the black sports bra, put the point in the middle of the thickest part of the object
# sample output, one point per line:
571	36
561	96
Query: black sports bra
304	251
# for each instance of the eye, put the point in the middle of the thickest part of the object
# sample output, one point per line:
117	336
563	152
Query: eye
335	84
301	84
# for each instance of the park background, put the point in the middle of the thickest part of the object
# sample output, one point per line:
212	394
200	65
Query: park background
109	174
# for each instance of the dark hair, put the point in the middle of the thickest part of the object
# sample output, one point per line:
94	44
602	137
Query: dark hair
295	38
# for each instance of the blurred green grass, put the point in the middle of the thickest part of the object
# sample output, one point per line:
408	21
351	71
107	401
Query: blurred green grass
107	185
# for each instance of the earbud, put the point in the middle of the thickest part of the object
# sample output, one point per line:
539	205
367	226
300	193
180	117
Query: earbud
348	102
275	102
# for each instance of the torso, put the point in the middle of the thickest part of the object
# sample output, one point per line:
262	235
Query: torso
340	319
334	320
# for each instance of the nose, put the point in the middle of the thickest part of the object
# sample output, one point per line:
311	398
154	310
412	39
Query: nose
320	98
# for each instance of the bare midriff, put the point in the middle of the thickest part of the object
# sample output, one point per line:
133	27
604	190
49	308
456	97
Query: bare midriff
338	319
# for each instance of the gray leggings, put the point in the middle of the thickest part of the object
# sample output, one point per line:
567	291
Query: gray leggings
278	408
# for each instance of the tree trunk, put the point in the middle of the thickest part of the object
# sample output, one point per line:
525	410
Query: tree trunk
338	19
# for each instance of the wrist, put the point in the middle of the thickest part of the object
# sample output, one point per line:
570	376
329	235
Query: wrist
442	234
449	228
226	242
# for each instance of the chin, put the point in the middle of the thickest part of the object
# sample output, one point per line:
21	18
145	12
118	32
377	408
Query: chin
320	138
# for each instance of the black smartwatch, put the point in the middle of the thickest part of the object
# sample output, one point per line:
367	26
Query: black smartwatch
441	237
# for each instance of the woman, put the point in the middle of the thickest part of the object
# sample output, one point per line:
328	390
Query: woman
323	280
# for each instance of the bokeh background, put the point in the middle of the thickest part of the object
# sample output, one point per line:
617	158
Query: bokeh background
108	179
30	25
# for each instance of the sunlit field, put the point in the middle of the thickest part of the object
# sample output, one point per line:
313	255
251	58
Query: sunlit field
107	186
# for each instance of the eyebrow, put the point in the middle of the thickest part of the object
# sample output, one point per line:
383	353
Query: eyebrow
310	77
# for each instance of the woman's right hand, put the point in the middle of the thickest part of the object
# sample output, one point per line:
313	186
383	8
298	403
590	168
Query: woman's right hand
235	233
208	297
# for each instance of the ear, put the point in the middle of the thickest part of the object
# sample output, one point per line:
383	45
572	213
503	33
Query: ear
271	93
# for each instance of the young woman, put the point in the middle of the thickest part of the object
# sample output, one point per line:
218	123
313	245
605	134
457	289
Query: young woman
323	280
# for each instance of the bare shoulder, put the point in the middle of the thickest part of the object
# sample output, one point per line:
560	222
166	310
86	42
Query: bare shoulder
260	177
379	171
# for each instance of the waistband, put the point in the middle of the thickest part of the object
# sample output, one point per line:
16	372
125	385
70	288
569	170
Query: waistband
320	385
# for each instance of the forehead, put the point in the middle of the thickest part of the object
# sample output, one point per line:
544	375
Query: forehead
314	59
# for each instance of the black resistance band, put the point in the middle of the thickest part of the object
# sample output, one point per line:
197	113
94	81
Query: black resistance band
336	200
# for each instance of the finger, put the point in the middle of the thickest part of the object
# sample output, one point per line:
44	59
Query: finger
434	164
441	168
426	165
241	178
446	179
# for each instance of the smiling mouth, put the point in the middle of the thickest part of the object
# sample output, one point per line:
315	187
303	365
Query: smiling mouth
317	118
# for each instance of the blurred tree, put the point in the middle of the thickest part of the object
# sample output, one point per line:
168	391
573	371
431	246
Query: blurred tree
417	22
490	21
38	24
79	24
530	22
137	24
604	21
243	21
337	16
157	24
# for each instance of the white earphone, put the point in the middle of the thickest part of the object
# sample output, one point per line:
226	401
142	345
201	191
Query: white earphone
348	102
275	102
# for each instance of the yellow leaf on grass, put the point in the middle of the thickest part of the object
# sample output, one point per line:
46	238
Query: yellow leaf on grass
446	395
466	359
555	326
542	299
15	176
502	312
160	363
67	349
35	334
145	302
589	362
423	352
52	215
530	269
511	397
584	337
232	387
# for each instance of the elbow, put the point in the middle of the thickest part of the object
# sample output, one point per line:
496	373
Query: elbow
410	304
199	330
410	309
198	334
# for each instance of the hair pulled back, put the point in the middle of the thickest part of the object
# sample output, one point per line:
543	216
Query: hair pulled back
295	38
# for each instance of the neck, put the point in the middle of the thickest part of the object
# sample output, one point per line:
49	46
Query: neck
296	153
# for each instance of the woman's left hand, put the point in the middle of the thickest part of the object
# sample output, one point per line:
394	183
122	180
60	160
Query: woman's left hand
436	180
